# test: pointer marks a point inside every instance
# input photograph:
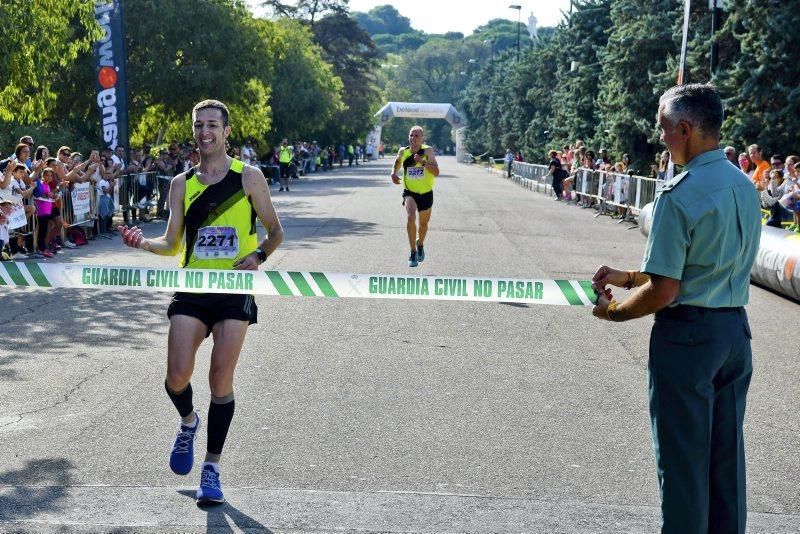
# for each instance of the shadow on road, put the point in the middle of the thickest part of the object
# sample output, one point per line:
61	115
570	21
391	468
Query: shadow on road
40	485
46	322
217	523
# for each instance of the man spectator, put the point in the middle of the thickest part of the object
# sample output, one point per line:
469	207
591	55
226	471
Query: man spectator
509	159
602	159
762	166
556	171
248	153
126	184
730	153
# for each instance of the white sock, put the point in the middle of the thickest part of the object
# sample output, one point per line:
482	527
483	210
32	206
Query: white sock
193	423
214	466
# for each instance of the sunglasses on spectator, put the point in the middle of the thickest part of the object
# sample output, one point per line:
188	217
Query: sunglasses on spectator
66	154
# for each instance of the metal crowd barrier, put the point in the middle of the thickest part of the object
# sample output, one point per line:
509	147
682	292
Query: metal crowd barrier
79	204
139	190
628	192
31	226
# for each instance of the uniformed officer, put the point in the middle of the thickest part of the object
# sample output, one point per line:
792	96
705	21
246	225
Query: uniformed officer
420	170
695	278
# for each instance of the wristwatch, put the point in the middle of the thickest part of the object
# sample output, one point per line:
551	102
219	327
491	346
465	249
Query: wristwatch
262	256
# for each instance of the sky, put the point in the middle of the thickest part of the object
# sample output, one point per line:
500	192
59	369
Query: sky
442	16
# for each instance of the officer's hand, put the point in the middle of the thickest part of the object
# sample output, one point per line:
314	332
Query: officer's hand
607	276
599	309
395	178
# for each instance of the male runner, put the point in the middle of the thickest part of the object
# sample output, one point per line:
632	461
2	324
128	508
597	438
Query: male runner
212	223
419	172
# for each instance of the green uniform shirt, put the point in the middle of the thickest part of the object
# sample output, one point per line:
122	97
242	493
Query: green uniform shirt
705	232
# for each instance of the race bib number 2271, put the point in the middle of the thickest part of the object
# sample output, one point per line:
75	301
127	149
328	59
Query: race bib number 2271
216	242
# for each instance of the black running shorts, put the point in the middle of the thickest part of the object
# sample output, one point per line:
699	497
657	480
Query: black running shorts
424	200
212	308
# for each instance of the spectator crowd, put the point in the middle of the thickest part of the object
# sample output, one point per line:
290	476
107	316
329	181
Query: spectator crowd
777	178
52	202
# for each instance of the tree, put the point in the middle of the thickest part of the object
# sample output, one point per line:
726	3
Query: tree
176	65
308	10
761	90
354	58
393	22
641	40
503	34
371	24
305	91
35	48
575	110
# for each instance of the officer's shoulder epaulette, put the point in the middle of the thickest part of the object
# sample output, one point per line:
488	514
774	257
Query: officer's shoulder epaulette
670	184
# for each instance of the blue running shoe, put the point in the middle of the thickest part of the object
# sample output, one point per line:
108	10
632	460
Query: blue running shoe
182	455
210	491
420	252
412	259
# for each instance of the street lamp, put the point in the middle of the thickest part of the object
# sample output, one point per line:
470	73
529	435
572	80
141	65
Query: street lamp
519	13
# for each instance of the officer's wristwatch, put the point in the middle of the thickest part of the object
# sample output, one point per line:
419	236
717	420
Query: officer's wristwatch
262	256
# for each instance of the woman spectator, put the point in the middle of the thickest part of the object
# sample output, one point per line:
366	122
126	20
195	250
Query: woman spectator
42	155
662	166
747	165
790	199
588	167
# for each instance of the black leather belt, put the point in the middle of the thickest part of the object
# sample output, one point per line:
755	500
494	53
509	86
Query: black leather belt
685	312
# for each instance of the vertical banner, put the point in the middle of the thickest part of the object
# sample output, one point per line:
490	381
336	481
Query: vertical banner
109	67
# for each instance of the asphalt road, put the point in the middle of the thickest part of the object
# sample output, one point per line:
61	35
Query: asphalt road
374	415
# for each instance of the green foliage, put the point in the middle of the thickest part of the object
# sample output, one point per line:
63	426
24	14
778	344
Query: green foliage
354	58
575	109
639	43
307	10
38	41
305	90
503	35
383	19
762	87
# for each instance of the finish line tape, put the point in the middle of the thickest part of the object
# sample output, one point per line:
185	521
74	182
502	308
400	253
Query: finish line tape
297	284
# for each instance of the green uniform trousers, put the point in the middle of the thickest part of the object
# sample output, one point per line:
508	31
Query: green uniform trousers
699	372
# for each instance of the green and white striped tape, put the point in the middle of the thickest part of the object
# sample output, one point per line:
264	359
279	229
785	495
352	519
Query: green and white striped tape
297	284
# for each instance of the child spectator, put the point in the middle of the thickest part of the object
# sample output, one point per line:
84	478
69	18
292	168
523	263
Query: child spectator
45	196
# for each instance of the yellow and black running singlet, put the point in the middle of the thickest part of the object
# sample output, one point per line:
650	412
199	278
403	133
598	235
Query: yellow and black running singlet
416	177
219	221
